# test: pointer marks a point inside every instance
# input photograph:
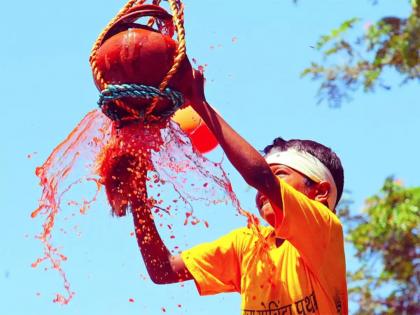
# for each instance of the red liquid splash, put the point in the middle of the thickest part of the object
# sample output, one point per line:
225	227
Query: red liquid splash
57	176
127	161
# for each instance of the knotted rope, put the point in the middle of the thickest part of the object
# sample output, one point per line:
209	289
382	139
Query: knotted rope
118	91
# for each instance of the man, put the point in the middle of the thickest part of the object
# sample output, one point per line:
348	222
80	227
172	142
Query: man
294	266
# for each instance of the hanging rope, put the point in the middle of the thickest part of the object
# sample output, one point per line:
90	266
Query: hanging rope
152	20
92	59
98	42
177	9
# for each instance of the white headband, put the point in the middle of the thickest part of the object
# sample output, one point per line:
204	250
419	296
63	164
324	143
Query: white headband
308	165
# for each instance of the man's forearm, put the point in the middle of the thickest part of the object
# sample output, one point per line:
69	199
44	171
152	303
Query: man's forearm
157	258
244	157
155	254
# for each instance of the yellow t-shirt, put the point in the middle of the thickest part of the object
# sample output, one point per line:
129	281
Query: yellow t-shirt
305	275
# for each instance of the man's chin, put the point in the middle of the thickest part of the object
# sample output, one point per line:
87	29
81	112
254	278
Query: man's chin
267	214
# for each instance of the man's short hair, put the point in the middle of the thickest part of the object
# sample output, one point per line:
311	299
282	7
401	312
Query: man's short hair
321	152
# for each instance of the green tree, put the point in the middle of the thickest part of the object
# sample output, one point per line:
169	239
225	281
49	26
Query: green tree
386	239
353	61
385	236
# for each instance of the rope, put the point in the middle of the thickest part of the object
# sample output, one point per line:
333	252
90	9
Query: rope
92	59
139	91
152	20
177	9
97	44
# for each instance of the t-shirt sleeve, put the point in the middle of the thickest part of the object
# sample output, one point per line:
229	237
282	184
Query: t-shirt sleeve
215	266
308	225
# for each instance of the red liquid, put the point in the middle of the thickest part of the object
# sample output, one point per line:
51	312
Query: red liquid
127	161
57	178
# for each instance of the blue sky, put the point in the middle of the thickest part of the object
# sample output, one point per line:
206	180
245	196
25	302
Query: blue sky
253	81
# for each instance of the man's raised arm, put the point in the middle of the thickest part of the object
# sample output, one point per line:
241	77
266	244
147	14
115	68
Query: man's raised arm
243	156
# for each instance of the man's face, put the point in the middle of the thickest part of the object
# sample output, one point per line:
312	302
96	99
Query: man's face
291	177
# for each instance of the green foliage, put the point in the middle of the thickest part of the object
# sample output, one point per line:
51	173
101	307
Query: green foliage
358	61
386	239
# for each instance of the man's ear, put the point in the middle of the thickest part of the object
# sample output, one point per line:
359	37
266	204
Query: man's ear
322	192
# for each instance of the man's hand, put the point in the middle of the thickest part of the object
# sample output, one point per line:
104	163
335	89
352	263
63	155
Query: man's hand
197	89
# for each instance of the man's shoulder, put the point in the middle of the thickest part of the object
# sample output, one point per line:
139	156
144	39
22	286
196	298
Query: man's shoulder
253	230
251	233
